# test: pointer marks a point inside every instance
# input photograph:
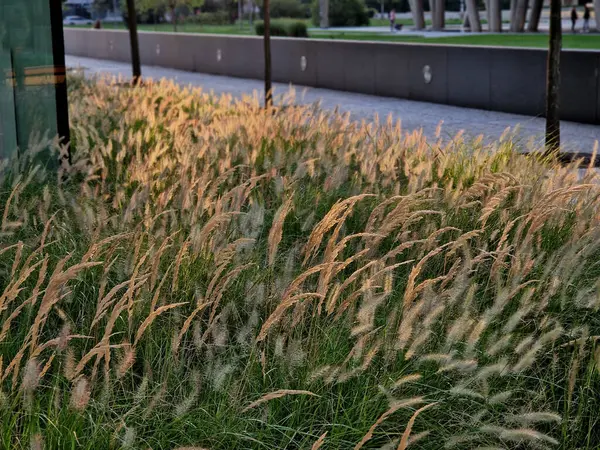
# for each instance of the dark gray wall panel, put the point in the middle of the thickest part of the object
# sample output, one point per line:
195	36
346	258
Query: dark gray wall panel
204	54
598	88
330	65
435	57
469	77
391	70
360	67
499	79
286	56
579	82
243	57
119	48
518	81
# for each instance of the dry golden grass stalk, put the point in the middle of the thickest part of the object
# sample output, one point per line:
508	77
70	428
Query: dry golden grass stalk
151	317
407	379
319	442
80	394
404	403
126	362
276	231
276	394
186	325
337	212
191	448
276	316
37	442
404	439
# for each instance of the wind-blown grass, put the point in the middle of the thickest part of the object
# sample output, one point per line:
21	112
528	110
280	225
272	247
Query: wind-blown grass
213	275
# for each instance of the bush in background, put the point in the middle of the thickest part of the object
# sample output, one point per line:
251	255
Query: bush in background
343	13
277	28
210	18
297	29
280	28
289	8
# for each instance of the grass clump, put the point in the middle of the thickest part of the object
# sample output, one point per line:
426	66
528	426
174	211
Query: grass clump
288	28
216	276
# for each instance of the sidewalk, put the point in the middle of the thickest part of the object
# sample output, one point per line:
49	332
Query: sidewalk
414	115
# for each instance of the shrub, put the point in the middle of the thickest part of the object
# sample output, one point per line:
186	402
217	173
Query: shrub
283	28
297	29
371	12
289	8
343	13
210	18
277	28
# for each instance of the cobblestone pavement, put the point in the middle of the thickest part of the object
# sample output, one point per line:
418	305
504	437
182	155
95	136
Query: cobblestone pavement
413	115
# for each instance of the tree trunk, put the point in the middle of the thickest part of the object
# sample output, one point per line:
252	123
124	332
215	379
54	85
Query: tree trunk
240	19
437	14
416	7
267	43
521	15
534	16
597	13
553	78
495	16
133	40
487	12
473	14
513	15
324	12
174	19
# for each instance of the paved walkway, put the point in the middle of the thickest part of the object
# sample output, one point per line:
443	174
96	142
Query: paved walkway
414	115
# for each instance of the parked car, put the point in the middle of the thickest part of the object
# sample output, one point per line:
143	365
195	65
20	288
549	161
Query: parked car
77	20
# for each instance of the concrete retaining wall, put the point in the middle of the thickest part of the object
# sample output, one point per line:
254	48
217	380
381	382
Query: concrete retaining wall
493	78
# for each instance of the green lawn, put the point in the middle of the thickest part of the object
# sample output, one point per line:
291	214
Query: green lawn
409	22
578	41
187	28
508	40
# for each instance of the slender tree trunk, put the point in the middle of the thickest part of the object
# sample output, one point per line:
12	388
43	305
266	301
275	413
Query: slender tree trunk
535	14
174	19
495	16
553	78
133	40
597	13
416	7
521	15
473	14
437	14
513	15
324	11
487	12
267	42
240	13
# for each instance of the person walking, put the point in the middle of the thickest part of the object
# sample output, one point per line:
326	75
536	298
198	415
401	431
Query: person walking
586	19
574	18
392	20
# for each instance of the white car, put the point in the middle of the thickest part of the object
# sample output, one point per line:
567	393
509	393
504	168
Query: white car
77	20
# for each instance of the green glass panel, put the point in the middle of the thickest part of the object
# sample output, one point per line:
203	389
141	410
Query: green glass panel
27	94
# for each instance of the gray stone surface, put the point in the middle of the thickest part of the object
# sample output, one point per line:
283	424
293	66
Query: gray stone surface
414	115
516	76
